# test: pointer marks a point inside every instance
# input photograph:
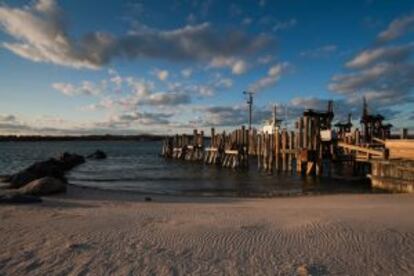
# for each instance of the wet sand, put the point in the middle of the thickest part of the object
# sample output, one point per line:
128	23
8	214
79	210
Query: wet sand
97	232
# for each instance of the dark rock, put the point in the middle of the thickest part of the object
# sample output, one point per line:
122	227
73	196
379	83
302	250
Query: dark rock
55	168
21	178
44	186
18	198
5	178
71	160
51	167
97	155
148	198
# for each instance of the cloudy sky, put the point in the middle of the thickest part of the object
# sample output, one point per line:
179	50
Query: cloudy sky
129	66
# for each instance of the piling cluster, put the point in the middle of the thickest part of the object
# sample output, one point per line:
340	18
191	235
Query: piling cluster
309	149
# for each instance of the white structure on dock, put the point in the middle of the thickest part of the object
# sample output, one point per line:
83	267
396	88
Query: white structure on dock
272	125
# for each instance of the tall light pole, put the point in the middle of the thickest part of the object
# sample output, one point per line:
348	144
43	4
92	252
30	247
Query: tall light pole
250	103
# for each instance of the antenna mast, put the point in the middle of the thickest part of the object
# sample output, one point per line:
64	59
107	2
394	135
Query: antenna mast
250	104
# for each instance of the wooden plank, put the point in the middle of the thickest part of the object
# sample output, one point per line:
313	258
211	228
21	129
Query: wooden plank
361	149
400	148
377	140
310	168
405	144
401	154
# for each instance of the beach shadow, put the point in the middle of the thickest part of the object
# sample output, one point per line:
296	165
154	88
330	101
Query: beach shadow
56	202
78	194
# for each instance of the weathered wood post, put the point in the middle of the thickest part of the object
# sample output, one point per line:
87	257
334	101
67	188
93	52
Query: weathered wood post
291	153
284	146
357	137
213	137
404	133
299	145
259	150
277	149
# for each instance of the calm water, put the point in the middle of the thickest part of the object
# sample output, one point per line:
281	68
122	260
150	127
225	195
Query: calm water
137	166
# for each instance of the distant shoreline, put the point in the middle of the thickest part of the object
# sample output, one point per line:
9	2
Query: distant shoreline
36	138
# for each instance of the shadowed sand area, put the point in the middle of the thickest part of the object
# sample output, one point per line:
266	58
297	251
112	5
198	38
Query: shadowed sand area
97	232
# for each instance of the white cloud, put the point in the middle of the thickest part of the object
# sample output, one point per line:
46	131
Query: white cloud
237	66
41	35
7	118
273	75
187	72
85	88
162	75
224	82
115	78
383	54
397	28
384	77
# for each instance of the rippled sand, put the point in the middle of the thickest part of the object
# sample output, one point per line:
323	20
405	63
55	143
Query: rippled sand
100	233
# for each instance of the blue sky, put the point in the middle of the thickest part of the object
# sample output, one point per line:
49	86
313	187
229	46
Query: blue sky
125	67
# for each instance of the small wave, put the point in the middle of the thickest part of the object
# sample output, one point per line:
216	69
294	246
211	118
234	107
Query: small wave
124	179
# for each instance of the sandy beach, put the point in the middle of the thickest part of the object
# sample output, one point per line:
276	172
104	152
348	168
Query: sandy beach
96	232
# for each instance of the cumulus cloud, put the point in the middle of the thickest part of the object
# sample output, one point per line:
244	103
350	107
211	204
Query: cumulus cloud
231	115
273	75
393	54
162	75
7	118
115	78
138	118
382	84
138	92
202	90
397	28
85	88
237	66
163	99
123	124
383	74
224	83
187	72
41	35
143	93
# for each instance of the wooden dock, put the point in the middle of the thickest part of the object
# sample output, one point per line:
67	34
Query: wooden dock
309	149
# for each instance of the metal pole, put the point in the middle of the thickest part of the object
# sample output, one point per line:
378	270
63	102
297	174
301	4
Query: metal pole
250	103
250	111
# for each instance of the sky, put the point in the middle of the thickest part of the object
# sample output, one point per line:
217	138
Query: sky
161	67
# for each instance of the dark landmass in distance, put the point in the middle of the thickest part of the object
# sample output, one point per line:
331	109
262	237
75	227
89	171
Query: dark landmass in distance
34	138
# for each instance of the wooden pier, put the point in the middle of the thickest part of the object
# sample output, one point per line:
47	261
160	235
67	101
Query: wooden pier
308	149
